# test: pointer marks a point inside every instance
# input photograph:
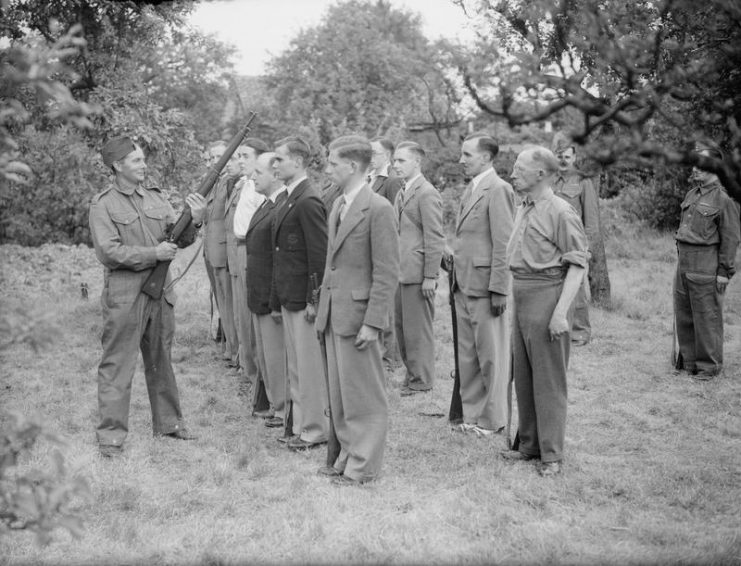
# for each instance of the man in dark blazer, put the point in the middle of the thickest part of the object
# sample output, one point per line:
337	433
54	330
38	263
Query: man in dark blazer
270	345
361	276
300	249
419	214
482	284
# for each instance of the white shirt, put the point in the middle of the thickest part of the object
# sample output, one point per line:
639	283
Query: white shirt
411	181
289	188
383	172
477	179
349	196
249	201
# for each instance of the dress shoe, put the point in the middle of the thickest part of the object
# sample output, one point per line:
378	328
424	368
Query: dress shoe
463	427
329	471
266	414
517	456
297	444
548	469
273	422
343	480
408	391
485	432
285	439
110	450
180	434
703	376
580	342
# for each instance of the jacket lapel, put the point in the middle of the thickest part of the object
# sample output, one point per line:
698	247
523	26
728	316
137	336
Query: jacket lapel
288	205
484	186
353	216
236	191
405	196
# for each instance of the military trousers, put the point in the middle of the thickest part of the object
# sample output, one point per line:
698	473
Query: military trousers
147	325
581	329
271	356
539	367
413	320
698	310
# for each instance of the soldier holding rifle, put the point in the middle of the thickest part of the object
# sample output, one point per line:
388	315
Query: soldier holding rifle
128	224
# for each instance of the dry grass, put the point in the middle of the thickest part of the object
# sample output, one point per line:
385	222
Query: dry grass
652	472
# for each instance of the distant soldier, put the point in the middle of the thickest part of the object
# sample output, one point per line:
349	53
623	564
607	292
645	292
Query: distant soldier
707	239
419	215
127	224
547	255
360	278
575	188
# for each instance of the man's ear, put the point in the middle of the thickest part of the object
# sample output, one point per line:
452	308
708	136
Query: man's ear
116	165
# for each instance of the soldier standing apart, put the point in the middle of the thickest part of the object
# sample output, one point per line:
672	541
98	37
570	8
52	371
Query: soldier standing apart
300	250
127	224
481	285
419	213
215	254
384	182
270	345
707	239
361	276
547	254
241	205
576	189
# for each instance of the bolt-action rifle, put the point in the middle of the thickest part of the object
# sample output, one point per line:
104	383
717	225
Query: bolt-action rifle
455	414
155	283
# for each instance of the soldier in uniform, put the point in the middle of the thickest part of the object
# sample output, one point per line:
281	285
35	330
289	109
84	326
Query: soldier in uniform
577	189
127	224
547	254
707	239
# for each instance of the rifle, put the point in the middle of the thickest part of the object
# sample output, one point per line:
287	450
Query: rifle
155	283
333	443
512	443
455	414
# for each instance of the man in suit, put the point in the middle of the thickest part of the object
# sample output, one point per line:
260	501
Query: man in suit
419	213
481	285
215	255
300	250
384	181
361	276
242	204
270	349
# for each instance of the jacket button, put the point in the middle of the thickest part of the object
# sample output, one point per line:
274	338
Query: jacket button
333	268
277	249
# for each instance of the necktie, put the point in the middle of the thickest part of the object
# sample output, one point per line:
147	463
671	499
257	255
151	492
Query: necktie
340	212
467	194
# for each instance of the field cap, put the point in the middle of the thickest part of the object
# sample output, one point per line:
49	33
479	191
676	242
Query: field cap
709	146
116	148
561	142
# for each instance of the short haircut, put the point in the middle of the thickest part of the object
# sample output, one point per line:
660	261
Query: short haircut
270	155
297	147
414	147
386	143
353	147
257	144
217	143
544	158
485	143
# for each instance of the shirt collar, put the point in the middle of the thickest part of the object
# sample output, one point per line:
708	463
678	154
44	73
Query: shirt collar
411	181
707	187
382	172
128	191
477	179
290	188
544	196
352	193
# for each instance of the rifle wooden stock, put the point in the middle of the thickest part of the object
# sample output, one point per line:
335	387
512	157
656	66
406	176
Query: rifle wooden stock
155	283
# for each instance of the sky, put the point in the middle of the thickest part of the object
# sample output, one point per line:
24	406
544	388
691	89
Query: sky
262	28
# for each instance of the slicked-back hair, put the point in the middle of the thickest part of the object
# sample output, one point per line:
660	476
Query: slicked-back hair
271	157
353	147
485	143
386	143
414	147
257	144
544	159
297	147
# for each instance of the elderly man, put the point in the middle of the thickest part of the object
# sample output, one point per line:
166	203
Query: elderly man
547	255
360	278
707	239
127	224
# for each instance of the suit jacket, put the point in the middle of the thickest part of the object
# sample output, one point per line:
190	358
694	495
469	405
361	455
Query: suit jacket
419	212
300	247
214	237
259	246
362	271
230	208
482	231
388	187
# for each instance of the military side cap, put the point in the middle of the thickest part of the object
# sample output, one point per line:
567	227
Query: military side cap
116	148
561	142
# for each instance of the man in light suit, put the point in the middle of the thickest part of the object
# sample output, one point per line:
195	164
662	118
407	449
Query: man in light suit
241	205
300	250
360	278
482	283
215	255
419	213
270	349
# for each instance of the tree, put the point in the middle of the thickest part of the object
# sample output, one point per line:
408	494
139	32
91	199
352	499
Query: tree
648	78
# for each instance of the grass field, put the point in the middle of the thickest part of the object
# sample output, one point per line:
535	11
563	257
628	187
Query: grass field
652	469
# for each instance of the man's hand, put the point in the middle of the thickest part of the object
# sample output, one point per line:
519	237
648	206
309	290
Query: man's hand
197	206
721	283
558	325
310	313
447	261
276	316
165	251
366	335
498	304
428	288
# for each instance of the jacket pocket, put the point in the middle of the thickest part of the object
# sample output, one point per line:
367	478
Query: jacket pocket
482	262
360	294
124	218
703	220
